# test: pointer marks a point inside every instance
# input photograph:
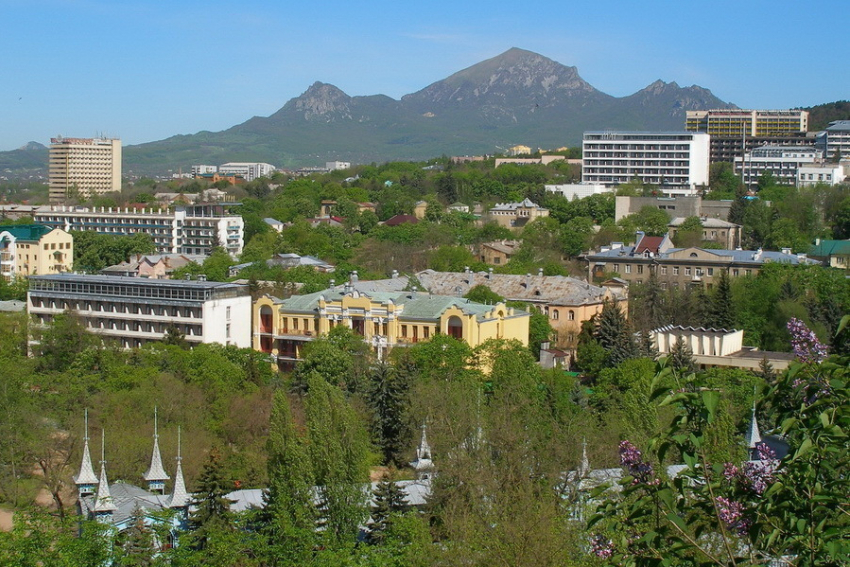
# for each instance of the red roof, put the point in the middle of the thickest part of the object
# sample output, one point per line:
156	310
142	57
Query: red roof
401	219
651	243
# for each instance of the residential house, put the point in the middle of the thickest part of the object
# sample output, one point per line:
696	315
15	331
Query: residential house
725	233
834	253
29	249
516	215
152	266
499	252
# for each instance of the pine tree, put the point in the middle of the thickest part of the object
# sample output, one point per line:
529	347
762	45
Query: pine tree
766	371
681	358
138	545
721	314
389	501
212	509
614	334
646	345
389	398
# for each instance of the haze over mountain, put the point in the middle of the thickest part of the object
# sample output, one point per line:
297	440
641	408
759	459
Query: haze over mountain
518	97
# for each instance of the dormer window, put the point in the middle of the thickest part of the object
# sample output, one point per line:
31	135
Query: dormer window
693	254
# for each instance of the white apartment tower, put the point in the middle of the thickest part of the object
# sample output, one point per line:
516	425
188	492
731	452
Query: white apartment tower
671	159
84	167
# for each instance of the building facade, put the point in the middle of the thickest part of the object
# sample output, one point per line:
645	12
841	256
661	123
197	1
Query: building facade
82	167
725	233
692	206
499	252
572	191
31	249
385	320
782	162
821	173
838	140
248	171
568	302
681	267
135	311
185	230
673	159
516	215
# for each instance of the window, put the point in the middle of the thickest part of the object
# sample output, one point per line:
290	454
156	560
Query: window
663	270
687	271
735	272
628	268
675	270
616	267
571	315
227	330
711	271
404	331
228	314
497	260
426	332
555	314
640	269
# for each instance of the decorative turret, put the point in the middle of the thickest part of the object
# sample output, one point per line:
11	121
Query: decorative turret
423	465
179	498
156	475
753	436
86	480
104	506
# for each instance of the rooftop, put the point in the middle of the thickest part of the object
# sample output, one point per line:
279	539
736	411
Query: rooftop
27	232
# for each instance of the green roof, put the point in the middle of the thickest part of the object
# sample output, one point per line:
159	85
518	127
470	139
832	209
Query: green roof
27	232
830	248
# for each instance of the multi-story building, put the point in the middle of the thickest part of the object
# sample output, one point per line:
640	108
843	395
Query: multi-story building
336	165
572	191
734	131
82	167
30	249
134	311
681	267
782	162
249	171
837	140
821	173
692	206
516	215
671	159
204	169
185	230
386	320
568	302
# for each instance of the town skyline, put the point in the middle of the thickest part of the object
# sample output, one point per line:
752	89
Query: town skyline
139	70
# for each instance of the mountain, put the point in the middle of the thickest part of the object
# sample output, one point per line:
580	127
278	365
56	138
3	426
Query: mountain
518	97
31	156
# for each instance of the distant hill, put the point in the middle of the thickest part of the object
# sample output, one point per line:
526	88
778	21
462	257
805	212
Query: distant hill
822	114
32	156
518	97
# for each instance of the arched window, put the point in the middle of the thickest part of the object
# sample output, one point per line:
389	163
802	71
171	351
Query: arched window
455	327
571	315
555	314
693	254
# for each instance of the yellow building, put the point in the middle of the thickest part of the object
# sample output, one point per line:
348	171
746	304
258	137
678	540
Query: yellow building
83	167
34	249
282	327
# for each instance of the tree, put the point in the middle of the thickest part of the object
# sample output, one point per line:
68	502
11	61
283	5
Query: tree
389	398
138	542
613	332
389	503
539	331
483	294
63	341
689	233
212	509
721	313
681	357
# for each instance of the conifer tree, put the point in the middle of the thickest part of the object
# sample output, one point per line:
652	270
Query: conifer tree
138	545
389	502
613	333
212	509
721	314
681	358
390	402
289	516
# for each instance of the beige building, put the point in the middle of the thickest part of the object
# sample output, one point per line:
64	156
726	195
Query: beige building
83	167
516	215
498	253
386	320
32	249
725	233
568	302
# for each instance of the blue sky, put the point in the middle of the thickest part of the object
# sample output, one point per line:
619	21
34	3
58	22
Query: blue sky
143	70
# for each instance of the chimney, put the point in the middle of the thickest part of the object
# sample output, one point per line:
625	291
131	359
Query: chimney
540	272
332	283
395	274
489	273
188	277
353	277
202	277
786	250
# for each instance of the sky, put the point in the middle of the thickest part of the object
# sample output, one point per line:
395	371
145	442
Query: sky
144	70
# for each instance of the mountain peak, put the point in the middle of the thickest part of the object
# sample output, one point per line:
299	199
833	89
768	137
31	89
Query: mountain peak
322	102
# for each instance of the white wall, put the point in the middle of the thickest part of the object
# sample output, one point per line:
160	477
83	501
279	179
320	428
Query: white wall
216	321
578	190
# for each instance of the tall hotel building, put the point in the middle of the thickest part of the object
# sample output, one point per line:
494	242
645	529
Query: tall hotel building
730	129
83	166
668	159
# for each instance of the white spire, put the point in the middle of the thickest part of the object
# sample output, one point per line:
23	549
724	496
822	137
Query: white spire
156	475
103	503
86	480
423	465
753	433
584	467
179	498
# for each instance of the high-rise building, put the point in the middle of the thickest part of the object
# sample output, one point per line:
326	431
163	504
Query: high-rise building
83	167
672	159
837	140
730	129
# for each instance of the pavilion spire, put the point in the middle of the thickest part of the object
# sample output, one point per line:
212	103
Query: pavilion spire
156	475
86	480
753	435
584	467
179	498
103	503
423	465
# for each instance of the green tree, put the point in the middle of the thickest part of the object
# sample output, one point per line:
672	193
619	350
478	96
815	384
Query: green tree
389	503
613	332
212	509
138	542
689	233
483	294
721	313
389	399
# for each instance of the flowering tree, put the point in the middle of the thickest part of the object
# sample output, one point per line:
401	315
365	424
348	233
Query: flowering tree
765	511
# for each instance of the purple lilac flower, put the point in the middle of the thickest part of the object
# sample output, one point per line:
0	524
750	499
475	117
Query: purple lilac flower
601	547
765	453
730	471
631	457
758	475
807	347
731	513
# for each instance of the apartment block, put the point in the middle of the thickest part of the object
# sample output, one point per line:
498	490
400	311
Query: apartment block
667	159
134	311
782	162
248	171
838	140
30	249
187	230
83	167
